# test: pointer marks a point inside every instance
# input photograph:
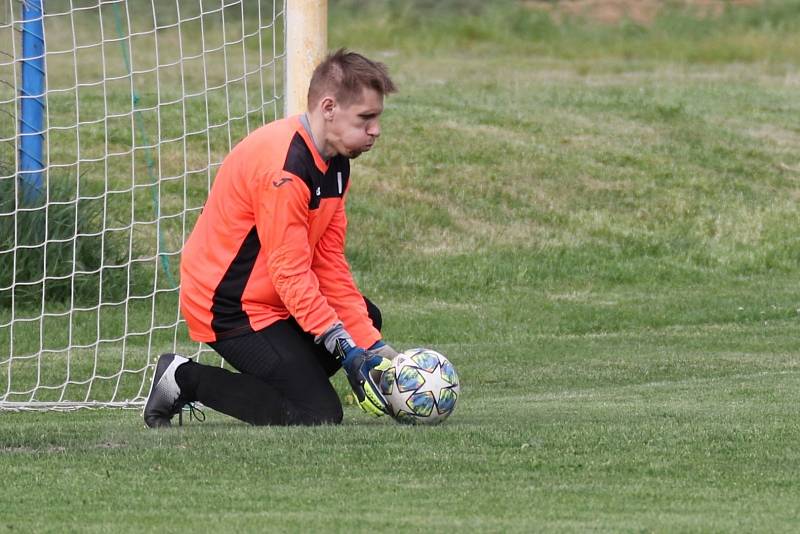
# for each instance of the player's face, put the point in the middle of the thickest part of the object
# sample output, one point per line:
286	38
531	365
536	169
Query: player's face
355	128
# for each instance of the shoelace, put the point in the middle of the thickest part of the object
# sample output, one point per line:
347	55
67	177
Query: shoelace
194	413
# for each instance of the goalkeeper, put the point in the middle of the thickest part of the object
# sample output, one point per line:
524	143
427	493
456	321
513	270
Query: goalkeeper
264	280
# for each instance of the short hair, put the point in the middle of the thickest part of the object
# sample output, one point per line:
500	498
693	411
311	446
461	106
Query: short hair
345	75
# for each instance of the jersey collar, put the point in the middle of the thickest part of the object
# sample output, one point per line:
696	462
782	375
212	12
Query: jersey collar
305	133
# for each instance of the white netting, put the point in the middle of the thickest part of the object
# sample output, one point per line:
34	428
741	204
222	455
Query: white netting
143	100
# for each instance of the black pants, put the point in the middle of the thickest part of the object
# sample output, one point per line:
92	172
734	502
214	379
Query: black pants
283	377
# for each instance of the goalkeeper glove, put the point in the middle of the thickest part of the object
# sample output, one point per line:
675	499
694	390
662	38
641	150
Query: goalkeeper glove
383	350
358	365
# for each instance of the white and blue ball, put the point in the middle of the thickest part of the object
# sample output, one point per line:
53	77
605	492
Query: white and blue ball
421	387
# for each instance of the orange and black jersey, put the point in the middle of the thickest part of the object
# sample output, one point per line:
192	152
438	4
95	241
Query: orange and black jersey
269	243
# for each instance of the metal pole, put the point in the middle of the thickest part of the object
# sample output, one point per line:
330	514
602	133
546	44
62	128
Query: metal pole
306	45
31	131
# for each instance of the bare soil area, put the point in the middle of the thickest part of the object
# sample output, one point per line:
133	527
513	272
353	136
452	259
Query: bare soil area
640	11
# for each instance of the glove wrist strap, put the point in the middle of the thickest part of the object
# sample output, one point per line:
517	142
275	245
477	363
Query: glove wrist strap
332	336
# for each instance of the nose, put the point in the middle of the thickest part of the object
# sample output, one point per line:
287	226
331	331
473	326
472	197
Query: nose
374	129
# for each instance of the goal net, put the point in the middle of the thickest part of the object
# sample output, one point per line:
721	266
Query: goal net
116	116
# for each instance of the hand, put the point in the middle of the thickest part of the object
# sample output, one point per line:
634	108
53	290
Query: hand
358	365
383	350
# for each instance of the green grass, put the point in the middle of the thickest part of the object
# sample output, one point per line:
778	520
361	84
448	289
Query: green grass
600	231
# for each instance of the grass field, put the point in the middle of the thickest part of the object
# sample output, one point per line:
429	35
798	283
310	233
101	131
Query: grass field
597	224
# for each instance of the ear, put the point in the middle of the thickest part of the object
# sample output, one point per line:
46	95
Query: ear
328	106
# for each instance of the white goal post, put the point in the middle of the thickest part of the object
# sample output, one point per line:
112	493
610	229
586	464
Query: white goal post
116	116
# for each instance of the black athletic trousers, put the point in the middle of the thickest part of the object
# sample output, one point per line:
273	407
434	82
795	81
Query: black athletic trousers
283	377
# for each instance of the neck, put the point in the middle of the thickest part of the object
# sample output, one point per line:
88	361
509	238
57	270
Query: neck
318	134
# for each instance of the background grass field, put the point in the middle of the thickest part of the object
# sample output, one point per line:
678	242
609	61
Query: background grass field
597	224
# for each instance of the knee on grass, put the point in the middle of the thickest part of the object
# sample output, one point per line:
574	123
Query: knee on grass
302	416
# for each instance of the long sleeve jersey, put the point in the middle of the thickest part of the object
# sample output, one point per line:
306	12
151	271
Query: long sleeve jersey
269	243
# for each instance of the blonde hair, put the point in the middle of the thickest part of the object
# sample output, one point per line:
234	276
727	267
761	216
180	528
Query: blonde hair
345	75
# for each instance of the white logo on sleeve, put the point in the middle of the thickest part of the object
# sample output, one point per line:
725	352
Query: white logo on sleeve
339	179
319	192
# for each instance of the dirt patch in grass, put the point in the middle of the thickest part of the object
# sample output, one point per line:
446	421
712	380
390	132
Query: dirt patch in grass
639	11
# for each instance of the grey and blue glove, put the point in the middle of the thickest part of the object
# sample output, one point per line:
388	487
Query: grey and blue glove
383	350
359	365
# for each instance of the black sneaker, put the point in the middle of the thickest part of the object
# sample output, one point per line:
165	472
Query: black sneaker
163	401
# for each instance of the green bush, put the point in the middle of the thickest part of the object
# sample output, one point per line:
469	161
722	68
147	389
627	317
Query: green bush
55	248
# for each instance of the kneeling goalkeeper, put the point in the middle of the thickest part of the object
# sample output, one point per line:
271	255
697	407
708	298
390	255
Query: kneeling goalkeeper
264	280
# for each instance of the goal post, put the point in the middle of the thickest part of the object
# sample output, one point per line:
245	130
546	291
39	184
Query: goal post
138	103
306	44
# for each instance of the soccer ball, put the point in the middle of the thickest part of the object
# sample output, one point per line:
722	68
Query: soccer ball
421	387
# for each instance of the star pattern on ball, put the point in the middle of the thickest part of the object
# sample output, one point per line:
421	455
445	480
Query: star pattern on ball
430	383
